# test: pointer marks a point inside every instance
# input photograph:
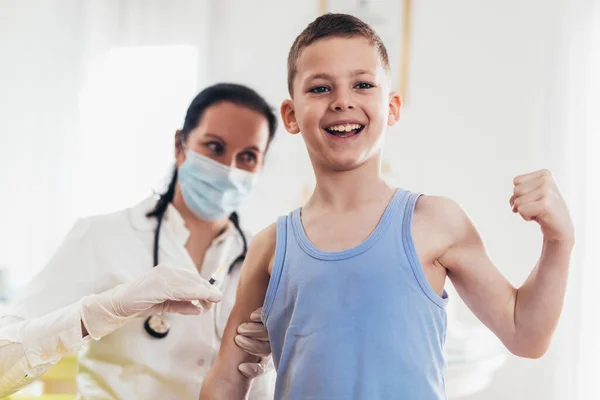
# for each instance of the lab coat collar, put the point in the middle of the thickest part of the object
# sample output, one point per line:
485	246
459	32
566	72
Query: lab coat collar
172	219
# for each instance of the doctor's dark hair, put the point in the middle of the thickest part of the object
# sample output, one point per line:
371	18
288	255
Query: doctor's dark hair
223	92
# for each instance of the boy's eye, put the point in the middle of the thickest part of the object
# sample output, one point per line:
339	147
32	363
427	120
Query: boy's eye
215	147
363	85
319	89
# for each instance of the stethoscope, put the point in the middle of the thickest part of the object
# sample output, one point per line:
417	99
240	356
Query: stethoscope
157	325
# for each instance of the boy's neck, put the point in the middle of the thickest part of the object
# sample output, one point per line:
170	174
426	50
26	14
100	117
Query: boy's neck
342	190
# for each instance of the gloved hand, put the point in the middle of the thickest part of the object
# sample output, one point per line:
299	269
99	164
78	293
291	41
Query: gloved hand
253	339
162	289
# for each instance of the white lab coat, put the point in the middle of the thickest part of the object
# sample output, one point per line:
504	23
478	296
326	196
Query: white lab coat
100	252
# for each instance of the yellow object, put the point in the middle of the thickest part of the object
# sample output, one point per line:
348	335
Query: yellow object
221	268
45	397
64	370
59	382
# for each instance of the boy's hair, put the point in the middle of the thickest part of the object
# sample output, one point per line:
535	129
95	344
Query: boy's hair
333	25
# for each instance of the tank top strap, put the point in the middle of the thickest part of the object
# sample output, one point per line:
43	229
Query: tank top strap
279	257
404	231
409	209
398	208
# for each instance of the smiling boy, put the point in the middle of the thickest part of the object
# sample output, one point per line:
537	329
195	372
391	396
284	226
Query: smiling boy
352	283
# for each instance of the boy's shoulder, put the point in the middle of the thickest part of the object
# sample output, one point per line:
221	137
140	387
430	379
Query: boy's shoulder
263	245
440	213
438	206
266	236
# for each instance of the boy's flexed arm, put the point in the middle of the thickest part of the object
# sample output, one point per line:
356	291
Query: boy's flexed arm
525	318
225	381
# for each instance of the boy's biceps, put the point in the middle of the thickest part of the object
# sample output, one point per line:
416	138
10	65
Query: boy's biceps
468	257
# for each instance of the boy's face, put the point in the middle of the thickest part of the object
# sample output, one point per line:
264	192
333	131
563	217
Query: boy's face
341	103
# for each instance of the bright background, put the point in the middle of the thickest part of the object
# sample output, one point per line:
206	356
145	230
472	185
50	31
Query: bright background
91	93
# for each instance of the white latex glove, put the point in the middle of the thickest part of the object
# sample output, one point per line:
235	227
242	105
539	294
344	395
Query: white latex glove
253	339
162	289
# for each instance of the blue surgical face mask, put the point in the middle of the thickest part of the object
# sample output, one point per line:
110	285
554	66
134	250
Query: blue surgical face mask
212	190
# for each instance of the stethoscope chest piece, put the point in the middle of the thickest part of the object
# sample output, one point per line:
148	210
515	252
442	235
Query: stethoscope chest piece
157	325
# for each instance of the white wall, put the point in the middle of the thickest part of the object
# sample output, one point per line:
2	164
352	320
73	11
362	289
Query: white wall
476	116
38	81
76	137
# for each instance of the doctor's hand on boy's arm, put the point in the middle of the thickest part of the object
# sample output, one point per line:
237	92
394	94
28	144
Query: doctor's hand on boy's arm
524	319
225	381
252	337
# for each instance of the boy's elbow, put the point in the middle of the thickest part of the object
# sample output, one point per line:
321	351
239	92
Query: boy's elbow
530	350
530	353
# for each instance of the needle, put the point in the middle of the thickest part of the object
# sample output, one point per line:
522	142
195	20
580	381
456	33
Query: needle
215	276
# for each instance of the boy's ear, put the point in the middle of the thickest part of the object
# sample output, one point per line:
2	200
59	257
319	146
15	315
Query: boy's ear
394	108
288	115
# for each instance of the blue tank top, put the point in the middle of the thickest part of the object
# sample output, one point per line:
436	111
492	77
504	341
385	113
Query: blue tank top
361	323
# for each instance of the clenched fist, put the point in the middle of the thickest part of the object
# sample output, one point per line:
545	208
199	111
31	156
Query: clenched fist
537	198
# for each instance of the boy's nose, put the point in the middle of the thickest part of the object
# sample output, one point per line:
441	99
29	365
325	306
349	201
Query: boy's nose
342	101
343	106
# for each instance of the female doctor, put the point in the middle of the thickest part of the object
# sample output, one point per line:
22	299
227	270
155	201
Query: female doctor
129	292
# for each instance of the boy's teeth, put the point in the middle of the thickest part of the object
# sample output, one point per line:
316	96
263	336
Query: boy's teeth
344	128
